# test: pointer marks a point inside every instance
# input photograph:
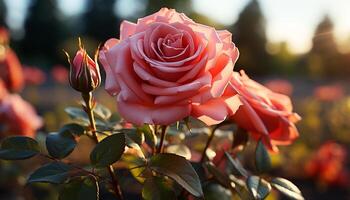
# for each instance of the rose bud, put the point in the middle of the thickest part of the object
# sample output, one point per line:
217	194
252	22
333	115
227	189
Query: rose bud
84	72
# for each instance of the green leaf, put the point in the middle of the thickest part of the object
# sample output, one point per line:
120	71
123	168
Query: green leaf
288	188
200	169
150	136
136	166
220	177
156	188
131	144
238	169
73	128
18	148
179	149
258	187
55	172
135	135
108	151
77	114
61	144
102	112
262	158
241	188
82	188
213	191
179	169
240	138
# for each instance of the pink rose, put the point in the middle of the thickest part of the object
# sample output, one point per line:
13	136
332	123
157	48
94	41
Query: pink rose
34	75
3	90
167	67
4	35
329	93
60	74
11	70
18	117
266	114
280	86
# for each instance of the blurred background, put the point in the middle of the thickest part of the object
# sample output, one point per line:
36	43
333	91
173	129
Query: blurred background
299	48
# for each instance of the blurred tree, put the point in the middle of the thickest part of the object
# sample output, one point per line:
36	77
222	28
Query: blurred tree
3	12
101	23
200	18
180	5
283	62
250	37
324	58
44	32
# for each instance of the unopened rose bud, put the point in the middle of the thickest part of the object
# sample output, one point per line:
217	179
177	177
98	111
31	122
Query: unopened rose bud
84	72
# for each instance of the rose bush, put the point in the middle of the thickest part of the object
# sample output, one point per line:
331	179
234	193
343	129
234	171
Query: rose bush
164	68
327	164
167	67
266	114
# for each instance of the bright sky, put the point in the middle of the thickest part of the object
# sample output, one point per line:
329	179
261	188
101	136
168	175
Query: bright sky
293	21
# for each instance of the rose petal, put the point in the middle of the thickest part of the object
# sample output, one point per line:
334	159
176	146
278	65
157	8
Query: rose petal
196	69
140	114
216	110
126	29
144	75
201	82
119	59
111	85
153	33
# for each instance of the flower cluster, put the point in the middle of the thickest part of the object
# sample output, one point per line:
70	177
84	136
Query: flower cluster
17	117
327	165
167	67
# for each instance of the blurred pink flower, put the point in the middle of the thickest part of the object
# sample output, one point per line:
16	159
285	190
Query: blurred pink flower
11	70
327	165
280	86
18	117
4	35
34	75
60	74
3	90
329	92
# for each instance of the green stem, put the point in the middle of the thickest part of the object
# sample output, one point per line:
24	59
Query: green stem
162	138
89	110
210	138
